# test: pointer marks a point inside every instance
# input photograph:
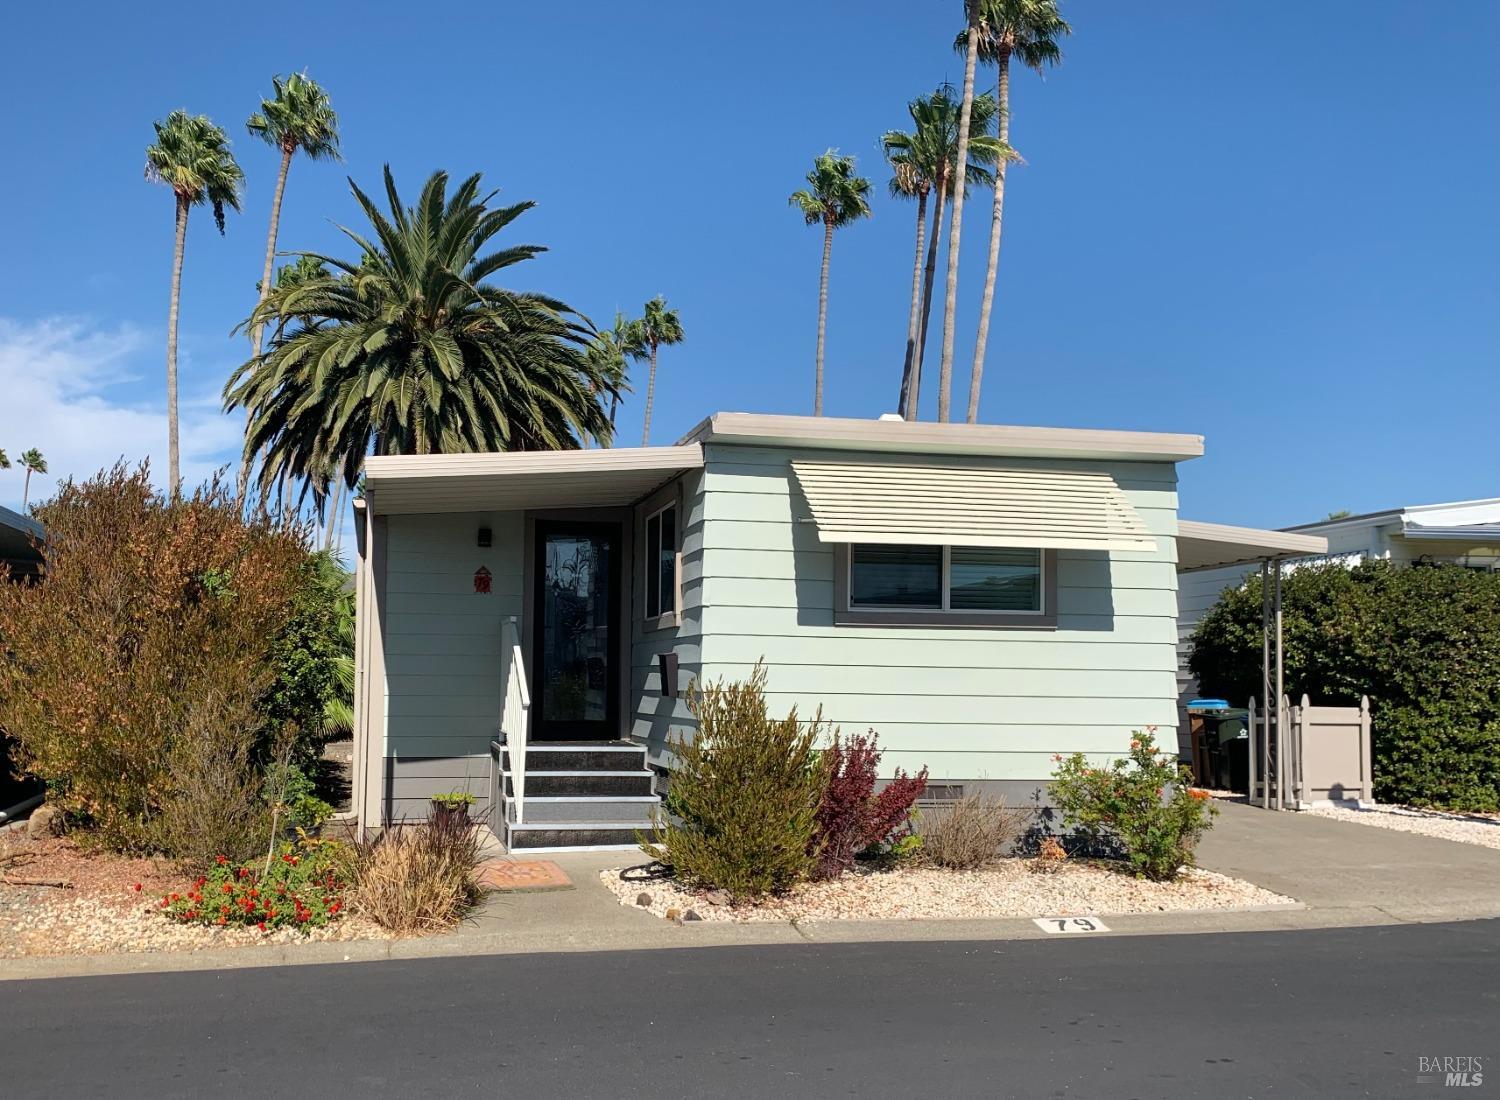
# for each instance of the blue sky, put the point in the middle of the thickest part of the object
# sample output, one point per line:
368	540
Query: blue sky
1281	236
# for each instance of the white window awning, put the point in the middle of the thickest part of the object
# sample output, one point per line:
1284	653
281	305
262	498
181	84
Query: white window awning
931	505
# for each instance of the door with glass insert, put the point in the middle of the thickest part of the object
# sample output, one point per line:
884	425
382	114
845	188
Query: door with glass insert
575	635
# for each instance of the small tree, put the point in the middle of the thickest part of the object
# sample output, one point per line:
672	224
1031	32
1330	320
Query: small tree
852	818
743	803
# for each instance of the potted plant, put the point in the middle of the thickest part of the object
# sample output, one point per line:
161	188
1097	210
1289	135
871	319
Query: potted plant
452	804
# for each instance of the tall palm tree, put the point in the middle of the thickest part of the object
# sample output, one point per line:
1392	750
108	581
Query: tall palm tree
33	463
297	116
1027	30
191	156
660	327
923	161
4	460
608	352
409	350
835	197
955	235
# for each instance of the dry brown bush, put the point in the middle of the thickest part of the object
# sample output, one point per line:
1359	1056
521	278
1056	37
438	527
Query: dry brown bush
969	832
419	878
134	666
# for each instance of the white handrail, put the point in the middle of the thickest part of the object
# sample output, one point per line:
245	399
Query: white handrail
515	713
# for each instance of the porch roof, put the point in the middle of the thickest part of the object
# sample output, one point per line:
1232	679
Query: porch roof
601	478
1210	545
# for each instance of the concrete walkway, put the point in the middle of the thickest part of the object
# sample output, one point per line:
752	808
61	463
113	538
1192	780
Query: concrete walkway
1350	874
1345	874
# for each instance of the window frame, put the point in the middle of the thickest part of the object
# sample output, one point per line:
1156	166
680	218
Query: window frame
846	615
665	500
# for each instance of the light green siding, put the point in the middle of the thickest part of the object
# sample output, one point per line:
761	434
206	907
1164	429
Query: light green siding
656	719
442	650
969	703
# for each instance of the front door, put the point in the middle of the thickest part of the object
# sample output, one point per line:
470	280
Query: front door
576	635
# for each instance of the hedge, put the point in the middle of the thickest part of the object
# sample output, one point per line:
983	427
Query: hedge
1422	642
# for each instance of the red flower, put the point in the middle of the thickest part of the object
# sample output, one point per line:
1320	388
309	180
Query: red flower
176	897
303	915
226	889
137	888
191	914
335	907
223	920
261	925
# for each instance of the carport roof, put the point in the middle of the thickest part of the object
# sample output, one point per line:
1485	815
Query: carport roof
1210	545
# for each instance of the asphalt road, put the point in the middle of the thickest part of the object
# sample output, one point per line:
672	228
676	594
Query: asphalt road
1346	1012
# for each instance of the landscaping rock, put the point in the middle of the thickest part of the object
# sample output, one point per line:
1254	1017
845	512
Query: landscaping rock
717	897
1004	888
643	899
44	821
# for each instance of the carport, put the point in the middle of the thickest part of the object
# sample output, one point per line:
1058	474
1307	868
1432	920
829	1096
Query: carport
1202	546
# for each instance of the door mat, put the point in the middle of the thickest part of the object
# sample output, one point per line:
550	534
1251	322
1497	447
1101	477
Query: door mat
507	875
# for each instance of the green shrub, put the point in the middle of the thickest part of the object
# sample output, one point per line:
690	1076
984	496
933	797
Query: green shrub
1422	642
1144	806
743	802
301	887
162	653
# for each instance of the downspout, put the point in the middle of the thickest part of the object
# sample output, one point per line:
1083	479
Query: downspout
359	784
1265	686
1281	741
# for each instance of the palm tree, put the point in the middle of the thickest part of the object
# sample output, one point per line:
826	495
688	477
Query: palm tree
4	460
659	328
409	350
923	162
191	156
33	463
298	116
608	351
955	235
1029	31
834	197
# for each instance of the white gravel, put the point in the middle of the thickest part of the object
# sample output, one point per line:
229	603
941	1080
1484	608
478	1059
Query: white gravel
62	925
1006	888
1483	829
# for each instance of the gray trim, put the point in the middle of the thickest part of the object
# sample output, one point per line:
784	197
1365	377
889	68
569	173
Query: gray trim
844	615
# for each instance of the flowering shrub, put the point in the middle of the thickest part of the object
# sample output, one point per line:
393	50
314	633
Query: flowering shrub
851	817
1144	805
303	887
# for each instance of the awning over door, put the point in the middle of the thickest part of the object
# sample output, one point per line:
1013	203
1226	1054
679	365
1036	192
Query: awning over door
969	506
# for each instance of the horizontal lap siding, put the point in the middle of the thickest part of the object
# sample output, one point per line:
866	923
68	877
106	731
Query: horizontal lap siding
656	719
967	703
442	650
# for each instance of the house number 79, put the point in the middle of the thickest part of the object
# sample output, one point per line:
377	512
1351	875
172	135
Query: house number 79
1055	925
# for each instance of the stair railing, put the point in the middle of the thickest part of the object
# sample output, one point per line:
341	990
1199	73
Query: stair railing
515	713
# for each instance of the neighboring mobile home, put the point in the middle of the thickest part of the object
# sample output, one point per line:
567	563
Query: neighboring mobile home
982	596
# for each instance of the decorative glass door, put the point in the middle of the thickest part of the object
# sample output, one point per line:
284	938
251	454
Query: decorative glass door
575	645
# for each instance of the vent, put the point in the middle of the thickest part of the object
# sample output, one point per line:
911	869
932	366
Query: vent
937	793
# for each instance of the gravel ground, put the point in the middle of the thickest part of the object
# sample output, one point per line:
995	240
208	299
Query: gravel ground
103	912
1006	888
1481	829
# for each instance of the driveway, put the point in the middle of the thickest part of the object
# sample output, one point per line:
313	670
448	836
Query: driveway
1339	1012
1353	874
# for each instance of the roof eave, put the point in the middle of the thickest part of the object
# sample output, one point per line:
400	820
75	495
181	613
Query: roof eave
926	437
